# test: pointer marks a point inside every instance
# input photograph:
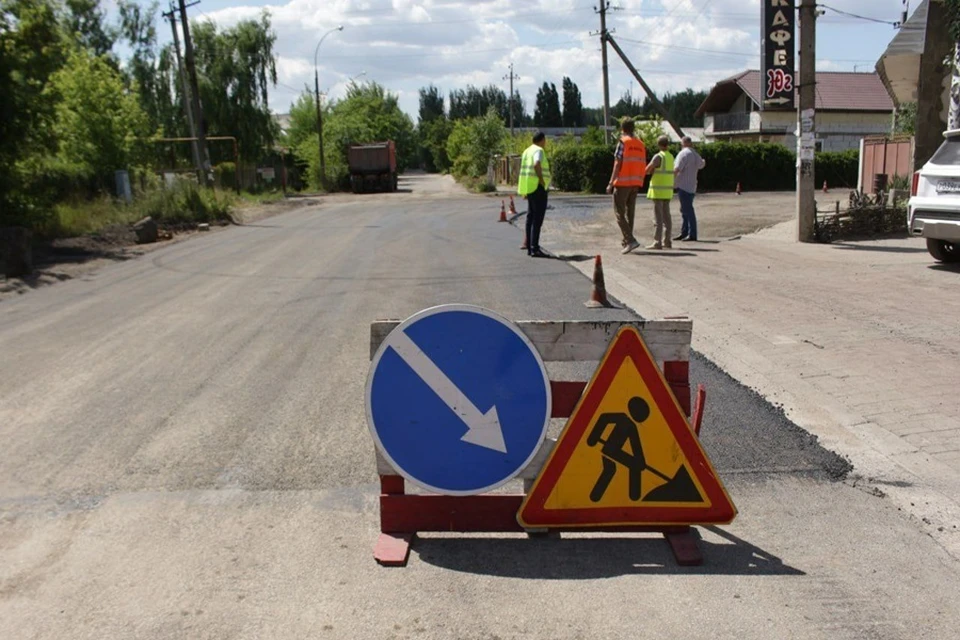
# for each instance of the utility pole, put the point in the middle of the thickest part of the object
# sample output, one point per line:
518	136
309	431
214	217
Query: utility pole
195	95
512	76
323	163
650	94
806	189
187	107
604	5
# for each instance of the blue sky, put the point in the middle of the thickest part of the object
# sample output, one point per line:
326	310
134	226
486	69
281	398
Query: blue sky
407	44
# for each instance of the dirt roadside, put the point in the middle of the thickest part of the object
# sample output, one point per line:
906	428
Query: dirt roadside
68	258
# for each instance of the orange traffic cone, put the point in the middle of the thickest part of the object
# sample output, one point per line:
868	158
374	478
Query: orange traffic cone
503	213
739	190
825	190
513	208
598	297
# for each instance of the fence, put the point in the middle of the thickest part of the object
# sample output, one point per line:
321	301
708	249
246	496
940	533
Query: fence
882	160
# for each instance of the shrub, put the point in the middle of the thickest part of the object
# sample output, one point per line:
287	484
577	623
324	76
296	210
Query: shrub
184	202
473	142
838	169
225	174
757	167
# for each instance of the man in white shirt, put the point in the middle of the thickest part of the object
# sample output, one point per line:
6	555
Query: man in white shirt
688	164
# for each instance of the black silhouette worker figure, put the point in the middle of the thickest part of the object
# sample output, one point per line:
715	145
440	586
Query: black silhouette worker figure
625	431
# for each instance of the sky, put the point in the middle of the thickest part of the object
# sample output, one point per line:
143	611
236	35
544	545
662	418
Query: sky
408	44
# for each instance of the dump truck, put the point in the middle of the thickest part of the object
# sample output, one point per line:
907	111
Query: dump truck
373	167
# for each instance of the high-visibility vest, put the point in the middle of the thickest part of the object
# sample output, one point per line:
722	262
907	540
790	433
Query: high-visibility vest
528	175
661	183
633	167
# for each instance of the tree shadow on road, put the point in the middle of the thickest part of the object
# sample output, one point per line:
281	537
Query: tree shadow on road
580	558
879	249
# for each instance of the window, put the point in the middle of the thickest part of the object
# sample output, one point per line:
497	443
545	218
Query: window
818	147
948	153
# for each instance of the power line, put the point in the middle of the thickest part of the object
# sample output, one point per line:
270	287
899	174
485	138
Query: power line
858	17
539	45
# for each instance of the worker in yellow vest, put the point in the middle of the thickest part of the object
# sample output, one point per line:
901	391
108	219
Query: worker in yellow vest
660	191
533	185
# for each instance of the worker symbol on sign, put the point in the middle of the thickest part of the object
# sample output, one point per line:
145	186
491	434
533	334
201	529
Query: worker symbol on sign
623	446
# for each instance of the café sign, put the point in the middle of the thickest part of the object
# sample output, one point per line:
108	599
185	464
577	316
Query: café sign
779	33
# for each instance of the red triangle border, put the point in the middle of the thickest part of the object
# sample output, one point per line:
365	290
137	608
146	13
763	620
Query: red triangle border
626	344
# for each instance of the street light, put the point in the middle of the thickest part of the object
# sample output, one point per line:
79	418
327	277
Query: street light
316	85
359	75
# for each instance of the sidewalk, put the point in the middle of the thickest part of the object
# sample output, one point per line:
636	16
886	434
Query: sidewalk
859	343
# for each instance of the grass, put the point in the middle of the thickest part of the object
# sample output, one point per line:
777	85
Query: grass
265	197
185	203
83	218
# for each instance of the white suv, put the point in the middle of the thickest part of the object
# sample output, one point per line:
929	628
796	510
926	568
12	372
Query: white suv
934	209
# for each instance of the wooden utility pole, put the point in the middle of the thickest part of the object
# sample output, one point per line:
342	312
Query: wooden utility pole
187	105
195	95
604	5
806	189
650	94
511	76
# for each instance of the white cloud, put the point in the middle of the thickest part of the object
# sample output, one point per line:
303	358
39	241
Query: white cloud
406	44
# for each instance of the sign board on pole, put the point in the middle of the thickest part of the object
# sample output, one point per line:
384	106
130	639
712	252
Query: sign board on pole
458	399
627	456
779	31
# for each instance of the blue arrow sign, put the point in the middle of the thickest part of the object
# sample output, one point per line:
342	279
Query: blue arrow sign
458	399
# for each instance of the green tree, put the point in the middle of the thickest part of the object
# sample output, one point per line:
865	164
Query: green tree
150	71
86	22
235	67
368	113
433	144
547	112
626	107
303	120
431	104
473	102
473	142
905	119
572	104
31	50
99	126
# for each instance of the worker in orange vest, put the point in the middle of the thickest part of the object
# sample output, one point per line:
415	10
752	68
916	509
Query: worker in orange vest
629	170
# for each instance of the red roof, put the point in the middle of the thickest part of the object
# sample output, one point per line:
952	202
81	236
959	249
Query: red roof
836	91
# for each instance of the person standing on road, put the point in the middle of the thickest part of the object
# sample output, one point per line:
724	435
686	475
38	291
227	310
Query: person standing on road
629	170
661	192
533	185
689	163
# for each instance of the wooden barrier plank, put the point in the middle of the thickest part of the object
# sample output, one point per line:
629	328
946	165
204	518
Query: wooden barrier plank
565	397
668	340
415	513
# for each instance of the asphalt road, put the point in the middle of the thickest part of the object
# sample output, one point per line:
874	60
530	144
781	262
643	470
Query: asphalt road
185	454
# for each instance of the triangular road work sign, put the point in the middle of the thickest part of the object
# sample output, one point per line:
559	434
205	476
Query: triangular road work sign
627	456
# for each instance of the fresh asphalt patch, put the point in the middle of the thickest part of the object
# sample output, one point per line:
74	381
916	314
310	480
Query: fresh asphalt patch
746	435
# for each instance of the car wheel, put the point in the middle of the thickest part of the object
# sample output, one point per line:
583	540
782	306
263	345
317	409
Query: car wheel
943	251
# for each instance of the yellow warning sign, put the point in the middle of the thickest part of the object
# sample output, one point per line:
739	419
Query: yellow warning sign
627	456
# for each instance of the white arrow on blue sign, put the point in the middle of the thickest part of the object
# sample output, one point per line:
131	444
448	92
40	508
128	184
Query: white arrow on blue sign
458	399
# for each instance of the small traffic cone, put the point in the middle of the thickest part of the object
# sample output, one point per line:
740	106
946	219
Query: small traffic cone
825	190
503	213
598	297
513	209
739	190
